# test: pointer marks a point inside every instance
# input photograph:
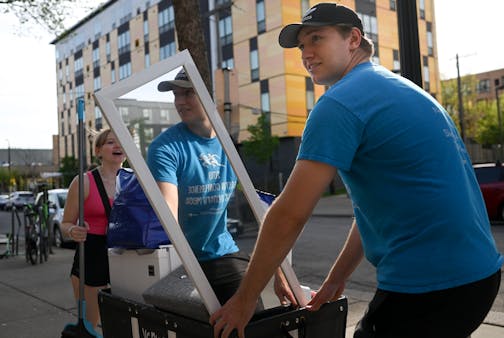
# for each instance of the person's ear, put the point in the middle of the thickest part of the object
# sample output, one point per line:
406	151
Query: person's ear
355	38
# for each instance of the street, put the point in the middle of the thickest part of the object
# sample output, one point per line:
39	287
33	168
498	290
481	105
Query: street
313	254
37	299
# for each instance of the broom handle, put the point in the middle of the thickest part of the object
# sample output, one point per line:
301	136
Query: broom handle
82	154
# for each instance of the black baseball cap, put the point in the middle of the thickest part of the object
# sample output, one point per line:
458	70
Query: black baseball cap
181	80
322	14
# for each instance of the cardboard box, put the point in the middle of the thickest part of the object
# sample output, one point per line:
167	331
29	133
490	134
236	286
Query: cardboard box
133	271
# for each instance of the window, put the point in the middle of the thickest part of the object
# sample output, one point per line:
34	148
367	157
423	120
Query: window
124	42
396	66
124	70
310	95
146	30
79	91
421	6
98	118
97	83
167	50
370	26
429	39
107	50
124	114
166	19
305	6
164	115
392	5
261	16
254	60
112	72
426	74
225	31
96	57
484	86
228	63
78	66
265	102
125	18
147	60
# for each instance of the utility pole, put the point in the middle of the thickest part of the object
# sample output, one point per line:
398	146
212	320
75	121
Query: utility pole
497	88
9	163
460	102
409	45
10	193
227	103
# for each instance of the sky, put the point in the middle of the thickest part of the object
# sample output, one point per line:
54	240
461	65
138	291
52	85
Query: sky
28	109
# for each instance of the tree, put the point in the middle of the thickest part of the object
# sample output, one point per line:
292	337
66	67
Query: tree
261	145
69	169
480	117
190	36
50	14
488	132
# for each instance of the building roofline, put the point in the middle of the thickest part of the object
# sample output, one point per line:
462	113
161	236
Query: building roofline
91	15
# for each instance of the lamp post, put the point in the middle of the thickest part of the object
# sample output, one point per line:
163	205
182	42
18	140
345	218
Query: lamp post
497	88
10	191
460	102
9	163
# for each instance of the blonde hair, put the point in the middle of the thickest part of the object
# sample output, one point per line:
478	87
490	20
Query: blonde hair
100	140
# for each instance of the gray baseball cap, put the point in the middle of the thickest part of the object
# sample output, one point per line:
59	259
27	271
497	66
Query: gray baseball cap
181	80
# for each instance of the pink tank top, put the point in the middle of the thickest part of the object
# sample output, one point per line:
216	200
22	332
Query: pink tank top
94	212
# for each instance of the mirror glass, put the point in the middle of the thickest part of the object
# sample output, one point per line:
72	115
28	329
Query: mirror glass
146	113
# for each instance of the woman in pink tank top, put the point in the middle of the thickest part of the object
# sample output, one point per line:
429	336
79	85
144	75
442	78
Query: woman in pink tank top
96	269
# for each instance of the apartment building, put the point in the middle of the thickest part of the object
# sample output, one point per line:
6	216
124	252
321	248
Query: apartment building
489	84
123	37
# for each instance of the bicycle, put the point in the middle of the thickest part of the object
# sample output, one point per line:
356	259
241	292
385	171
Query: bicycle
37	244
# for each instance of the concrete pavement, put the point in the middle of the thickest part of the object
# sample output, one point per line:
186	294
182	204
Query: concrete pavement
37	300
340	205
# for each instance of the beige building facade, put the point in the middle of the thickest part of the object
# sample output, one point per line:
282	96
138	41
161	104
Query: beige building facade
123	37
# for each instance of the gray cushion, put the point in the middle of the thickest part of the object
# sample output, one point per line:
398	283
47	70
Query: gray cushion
176	293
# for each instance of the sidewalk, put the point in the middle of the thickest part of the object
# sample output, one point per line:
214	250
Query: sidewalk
36	301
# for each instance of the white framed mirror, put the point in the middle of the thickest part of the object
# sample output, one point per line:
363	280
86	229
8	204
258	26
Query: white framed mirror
142	87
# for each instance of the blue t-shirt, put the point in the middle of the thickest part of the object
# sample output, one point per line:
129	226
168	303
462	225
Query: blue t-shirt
416	200
199	168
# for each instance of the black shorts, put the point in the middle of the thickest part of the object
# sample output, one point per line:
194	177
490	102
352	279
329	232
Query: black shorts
96	264
453	313
225	274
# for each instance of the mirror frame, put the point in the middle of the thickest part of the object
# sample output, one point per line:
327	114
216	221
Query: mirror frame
105	100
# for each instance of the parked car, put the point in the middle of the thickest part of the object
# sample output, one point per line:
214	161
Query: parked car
3	201
56	199
491	181
19	199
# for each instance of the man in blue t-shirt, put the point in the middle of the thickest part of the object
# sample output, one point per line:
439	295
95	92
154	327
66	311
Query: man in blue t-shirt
197	181
420	218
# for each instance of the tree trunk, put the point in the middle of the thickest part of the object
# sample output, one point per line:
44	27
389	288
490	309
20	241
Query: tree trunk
190	36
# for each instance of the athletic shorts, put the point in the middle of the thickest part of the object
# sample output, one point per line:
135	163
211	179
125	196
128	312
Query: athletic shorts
96	265
453	313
